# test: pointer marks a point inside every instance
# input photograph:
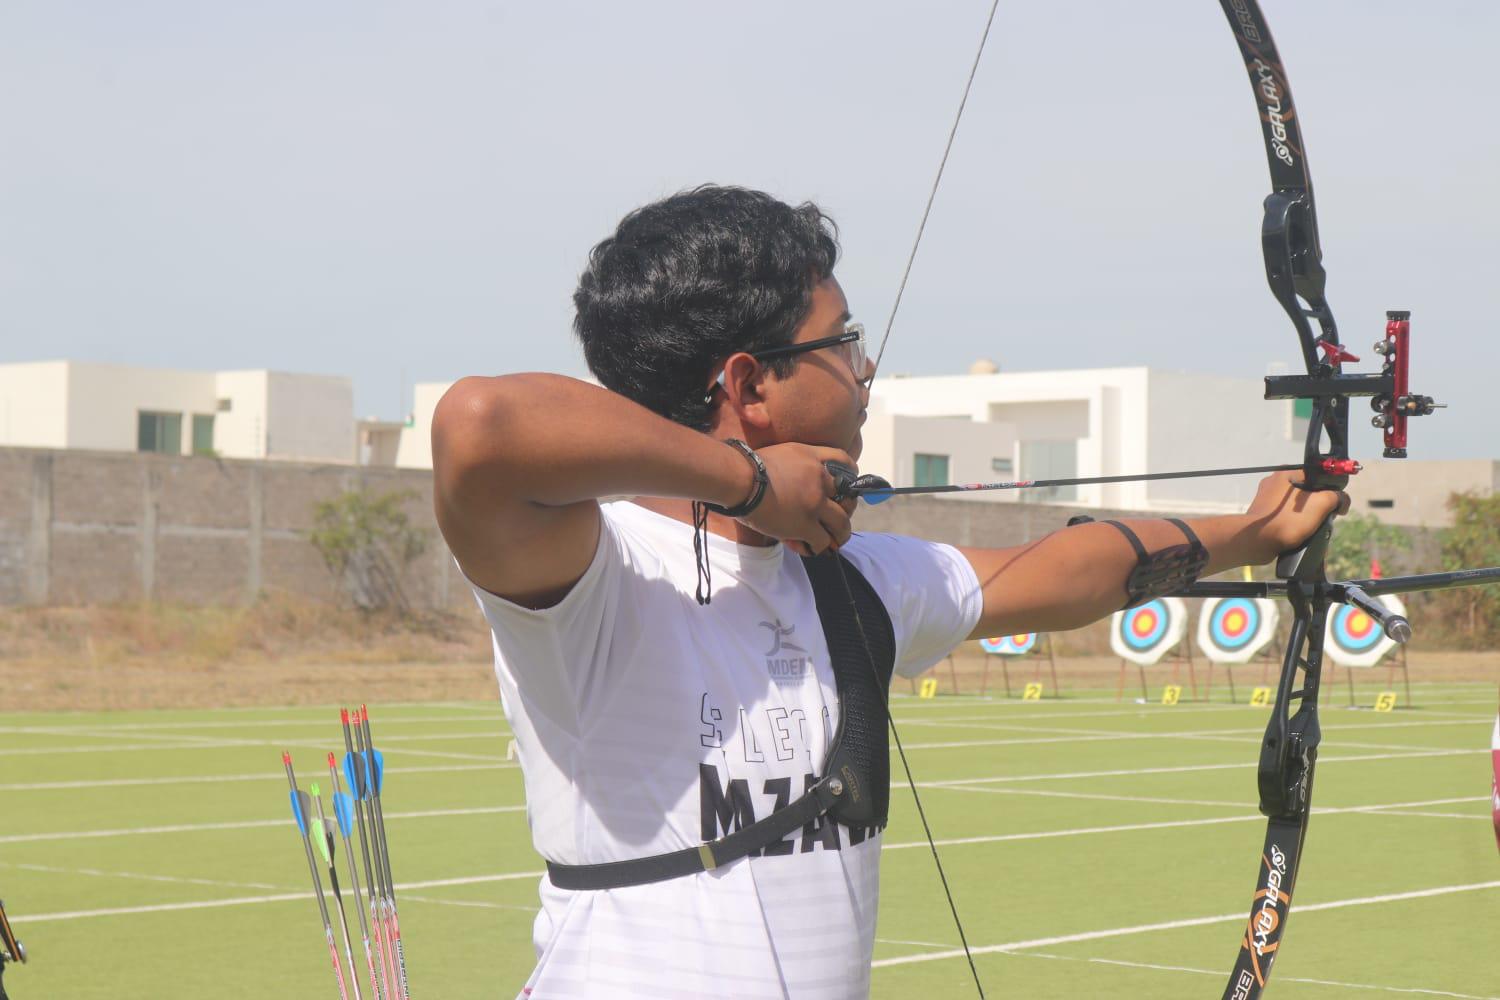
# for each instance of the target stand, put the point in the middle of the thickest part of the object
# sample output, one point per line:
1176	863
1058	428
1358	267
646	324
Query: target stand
1149	634
952	674
1233	631
1355	641
1010	647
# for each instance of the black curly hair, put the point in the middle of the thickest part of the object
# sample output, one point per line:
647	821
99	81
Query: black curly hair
686	281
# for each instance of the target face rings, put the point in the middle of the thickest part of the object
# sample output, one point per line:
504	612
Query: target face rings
1145	634
1235	629
1010	645
1354	639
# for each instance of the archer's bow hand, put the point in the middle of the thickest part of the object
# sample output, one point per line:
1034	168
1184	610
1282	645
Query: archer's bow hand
799	508
1284	517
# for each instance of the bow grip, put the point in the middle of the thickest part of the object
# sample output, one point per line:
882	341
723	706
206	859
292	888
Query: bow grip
1289	564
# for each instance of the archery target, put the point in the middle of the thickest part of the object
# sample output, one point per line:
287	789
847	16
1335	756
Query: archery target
1010	645
1145	634
1234	629
1354	639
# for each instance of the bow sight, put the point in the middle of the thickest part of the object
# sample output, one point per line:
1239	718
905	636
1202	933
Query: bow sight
1390	394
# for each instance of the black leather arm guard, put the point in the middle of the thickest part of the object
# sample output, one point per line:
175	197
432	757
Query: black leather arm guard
1157	574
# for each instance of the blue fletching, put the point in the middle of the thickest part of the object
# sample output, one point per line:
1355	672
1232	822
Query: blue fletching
299	809
354	770
874	498
343	808
379	769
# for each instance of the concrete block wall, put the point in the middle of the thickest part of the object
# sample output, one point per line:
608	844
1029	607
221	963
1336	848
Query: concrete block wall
79	527
82	527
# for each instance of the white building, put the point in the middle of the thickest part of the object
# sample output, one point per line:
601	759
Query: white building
989	426
240	414
1043	425
415	450
1415	493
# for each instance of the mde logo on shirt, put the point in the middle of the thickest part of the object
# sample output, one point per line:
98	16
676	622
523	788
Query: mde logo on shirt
781	665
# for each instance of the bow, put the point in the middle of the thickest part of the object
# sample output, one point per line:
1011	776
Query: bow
1294	271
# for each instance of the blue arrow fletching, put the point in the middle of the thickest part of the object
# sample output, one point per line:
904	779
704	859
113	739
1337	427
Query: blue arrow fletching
299	809
379	769
343	808
874	498
354	770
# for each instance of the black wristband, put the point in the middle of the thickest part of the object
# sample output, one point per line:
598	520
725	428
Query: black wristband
757	489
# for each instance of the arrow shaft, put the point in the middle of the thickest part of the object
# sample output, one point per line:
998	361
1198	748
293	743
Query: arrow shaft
1028	484
312	868
376	775
359	788
381	899
338	897
359	904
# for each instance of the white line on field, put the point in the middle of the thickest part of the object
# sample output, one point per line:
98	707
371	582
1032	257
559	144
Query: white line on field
207	904
1434	815
914	944
248	824
257	724
320	747
1172	925
1002	838
498	764
276	776
958	784
141	876
981	722
1219	973
1045	793
1181	769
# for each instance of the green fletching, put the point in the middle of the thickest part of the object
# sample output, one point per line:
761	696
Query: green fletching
314	790
321	837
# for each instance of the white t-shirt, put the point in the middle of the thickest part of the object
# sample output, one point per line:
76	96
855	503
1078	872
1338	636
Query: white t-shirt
646	723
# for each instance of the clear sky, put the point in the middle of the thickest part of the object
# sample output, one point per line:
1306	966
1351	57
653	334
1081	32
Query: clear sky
407	191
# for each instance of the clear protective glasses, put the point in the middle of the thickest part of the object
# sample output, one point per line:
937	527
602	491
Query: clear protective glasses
851	344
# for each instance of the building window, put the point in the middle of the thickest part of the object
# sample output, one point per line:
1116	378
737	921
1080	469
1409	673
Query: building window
203	434
1381	504
1049	460
1003	466
159	432
930	470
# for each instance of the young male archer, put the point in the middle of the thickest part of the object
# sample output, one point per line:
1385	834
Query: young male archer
666	661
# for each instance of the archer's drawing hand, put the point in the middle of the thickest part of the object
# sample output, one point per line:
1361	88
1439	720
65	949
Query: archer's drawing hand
1286	517
799	508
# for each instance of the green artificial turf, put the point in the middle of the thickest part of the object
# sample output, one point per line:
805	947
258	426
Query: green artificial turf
1095	848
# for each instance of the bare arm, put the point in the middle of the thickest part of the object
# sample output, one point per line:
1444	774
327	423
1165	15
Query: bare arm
1077	575
520	462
